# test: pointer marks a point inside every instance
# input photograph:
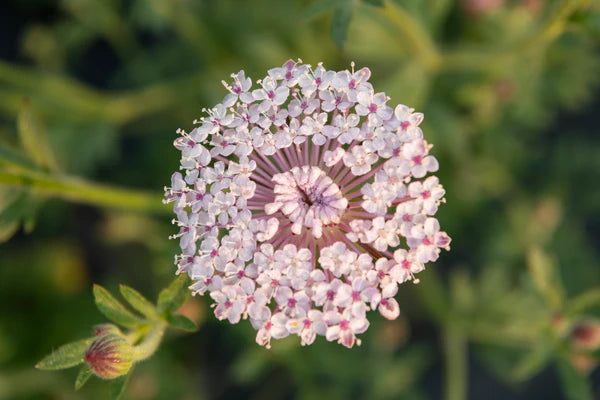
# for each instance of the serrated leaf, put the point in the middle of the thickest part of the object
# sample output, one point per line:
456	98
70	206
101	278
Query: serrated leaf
33	138
376	3
82	377
340	22
574	385
117	386
173	297
182	322
113	309
138	301
66	356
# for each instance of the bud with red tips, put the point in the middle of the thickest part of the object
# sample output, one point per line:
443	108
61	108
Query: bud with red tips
109	356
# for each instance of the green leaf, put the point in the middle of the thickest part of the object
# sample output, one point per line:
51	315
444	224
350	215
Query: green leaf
173	297
376	3
66	356
117	386
340	22
17	206
182	322
574	385
82	377
138	302
33	138
545	277
113	310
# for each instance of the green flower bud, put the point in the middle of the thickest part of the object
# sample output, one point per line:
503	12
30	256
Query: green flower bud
109	356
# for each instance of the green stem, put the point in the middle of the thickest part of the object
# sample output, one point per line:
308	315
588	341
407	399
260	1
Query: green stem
455	353
82	191
83	103
150	342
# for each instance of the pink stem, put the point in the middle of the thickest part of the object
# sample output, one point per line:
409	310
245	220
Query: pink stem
281	161
314	154
363	178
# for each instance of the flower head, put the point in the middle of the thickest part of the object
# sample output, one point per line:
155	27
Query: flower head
297	197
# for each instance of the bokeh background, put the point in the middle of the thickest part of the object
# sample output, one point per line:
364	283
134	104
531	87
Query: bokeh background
92	91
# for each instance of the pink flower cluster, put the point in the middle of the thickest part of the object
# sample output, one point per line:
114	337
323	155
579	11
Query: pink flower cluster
304	203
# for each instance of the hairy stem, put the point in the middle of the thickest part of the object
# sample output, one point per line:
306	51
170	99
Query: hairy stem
151	341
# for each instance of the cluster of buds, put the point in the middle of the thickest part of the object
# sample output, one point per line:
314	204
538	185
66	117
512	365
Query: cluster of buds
305	202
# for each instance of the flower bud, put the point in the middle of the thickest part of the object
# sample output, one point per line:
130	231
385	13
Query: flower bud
109	356
586	335
104	329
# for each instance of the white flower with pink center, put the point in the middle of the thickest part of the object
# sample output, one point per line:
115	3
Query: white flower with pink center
296	196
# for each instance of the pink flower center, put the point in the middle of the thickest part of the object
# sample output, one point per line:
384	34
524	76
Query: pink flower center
307	323
355	296
373	108
330	295
352	84
214	253
406	264
417	159
309	198
344	325
426	194
404	125
292	303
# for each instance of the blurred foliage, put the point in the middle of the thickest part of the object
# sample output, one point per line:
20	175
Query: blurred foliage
91	92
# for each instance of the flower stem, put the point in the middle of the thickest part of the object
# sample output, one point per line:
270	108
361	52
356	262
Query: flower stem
56	93
455	352
81	191
150	342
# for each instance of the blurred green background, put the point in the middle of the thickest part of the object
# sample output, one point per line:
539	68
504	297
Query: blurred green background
92	91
